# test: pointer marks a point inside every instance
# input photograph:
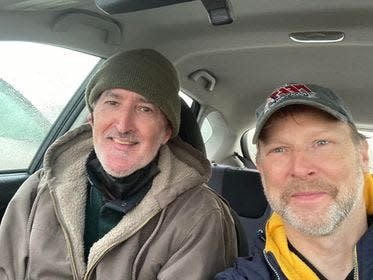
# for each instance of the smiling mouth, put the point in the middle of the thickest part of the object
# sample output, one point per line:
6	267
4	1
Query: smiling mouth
308	196
124	141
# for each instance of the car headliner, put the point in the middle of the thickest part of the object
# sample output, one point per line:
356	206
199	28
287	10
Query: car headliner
249	57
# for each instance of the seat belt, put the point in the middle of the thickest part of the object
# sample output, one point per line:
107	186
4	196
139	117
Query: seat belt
246	162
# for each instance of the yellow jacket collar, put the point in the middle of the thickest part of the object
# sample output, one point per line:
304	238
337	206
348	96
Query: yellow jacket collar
276	242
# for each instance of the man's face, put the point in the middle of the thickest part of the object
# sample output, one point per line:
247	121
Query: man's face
312	171
128	131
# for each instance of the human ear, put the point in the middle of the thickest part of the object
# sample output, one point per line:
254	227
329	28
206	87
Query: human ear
364	155
90	119
258	158
167	134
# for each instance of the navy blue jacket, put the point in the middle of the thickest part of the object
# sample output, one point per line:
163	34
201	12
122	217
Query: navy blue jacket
263	266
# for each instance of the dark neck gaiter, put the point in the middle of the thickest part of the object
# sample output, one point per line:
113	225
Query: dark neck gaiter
109	198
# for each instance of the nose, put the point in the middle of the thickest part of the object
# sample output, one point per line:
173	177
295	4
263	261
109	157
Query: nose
302	165
124	120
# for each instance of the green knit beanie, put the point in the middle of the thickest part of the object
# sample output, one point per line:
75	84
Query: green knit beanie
145	72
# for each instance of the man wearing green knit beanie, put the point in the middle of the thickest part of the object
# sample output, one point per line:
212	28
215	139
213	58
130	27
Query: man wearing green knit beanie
122	197
145	72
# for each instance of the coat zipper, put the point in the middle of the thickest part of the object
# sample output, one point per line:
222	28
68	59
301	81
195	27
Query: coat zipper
270	265
356	268
89	273
260	234
67	236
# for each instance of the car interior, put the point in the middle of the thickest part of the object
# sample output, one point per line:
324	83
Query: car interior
229	54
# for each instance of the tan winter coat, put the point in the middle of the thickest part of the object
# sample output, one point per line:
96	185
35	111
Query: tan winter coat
180	230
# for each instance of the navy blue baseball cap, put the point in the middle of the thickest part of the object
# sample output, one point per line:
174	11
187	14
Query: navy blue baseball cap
306	94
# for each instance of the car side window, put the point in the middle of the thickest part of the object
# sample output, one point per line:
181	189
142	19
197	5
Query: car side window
36	83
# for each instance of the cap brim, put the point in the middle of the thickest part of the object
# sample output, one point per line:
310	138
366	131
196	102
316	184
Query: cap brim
297	101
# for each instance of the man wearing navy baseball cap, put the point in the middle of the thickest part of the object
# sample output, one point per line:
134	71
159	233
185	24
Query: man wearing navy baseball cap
314	168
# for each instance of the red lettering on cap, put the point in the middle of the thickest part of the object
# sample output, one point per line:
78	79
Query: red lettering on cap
302	87
289	89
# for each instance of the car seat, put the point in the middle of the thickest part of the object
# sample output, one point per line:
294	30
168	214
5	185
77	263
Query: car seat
189	131
242	188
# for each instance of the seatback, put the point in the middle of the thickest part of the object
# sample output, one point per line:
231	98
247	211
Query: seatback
189	131
243	190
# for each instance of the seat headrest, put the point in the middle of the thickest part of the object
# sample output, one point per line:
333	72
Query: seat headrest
189	129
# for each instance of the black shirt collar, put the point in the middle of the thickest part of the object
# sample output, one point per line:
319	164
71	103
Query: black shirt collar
350	276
